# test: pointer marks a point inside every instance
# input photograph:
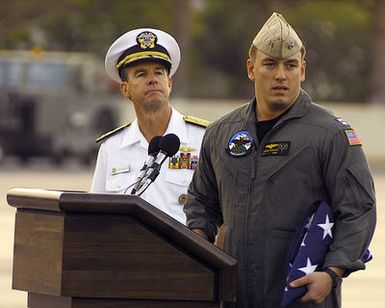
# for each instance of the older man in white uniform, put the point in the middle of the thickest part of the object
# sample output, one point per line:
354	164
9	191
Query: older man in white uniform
143	61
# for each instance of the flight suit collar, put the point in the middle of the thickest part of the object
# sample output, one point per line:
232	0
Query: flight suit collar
297	110
176	126
300	107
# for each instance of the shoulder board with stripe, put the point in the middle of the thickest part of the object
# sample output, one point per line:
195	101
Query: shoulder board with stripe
112	132
196	121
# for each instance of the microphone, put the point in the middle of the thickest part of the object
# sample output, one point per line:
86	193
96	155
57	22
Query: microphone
153	149
168	146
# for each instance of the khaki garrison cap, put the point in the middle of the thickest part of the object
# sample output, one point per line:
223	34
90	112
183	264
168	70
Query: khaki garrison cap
141	45
277	39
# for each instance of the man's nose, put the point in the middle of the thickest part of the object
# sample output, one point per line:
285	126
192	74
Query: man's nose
280	73
152	78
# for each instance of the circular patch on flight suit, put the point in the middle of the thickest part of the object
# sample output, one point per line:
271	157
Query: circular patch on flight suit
240	144
182	199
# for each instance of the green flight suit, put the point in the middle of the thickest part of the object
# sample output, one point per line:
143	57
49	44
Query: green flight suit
261	197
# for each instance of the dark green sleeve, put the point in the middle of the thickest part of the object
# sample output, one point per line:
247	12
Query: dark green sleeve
202	208
350	185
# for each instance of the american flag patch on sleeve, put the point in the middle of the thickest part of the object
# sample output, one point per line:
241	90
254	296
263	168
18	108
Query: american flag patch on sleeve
352	137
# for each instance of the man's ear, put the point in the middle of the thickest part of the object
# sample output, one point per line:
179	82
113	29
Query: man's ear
250	69
124	89
170	83
303	71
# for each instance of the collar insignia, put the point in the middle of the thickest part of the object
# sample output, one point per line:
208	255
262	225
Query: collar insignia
240	144
146	40
342	121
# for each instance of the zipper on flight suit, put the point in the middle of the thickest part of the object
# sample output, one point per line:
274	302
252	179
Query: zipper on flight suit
260	296
253	174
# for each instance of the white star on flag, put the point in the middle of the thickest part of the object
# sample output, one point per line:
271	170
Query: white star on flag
327	227
309	268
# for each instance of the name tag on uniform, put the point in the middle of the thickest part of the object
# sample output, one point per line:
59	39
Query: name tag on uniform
118	170
279	148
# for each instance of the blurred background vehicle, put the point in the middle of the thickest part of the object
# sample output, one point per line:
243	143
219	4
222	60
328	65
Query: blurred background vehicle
54	105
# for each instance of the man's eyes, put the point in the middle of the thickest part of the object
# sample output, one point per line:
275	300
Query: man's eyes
143	74
289	65
139	74
269	64
292	65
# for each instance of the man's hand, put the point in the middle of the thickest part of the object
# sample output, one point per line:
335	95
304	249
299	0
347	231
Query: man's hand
201	233
319	285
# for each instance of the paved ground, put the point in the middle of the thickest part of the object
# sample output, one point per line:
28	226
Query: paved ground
361	290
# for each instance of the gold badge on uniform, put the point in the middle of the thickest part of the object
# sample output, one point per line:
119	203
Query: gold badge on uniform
182	199
278	148
184	160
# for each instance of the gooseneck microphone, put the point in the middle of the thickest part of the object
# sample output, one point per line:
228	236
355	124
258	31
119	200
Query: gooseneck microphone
168	146
153	150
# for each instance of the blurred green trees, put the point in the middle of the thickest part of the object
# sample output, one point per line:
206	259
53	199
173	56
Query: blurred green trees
345	39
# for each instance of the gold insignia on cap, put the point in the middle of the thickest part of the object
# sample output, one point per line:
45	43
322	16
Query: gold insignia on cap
182	199
277	39
146	40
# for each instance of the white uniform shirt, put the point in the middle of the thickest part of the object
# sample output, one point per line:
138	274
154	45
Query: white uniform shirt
122	155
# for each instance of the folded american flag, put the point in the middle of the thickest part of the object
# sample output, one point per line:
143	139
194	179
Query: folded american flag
309	248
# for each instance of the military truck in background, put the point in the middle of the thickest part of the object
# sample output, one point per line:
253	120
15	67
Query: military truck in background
54	105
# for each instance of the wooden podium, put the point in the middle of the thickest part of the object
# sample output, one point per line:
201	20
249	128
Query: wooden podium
77	249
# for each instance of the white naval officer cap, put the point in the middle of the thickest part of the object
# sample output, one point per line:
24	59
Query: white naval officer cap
144	44
277	39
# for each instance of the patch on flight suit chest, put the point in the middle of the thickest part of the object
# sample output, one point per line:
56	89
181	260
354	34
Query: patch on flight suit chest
278	148
185	159
240	144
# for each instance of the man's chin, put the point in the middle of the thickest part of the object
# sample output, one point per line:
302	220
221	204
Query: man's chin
279	105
